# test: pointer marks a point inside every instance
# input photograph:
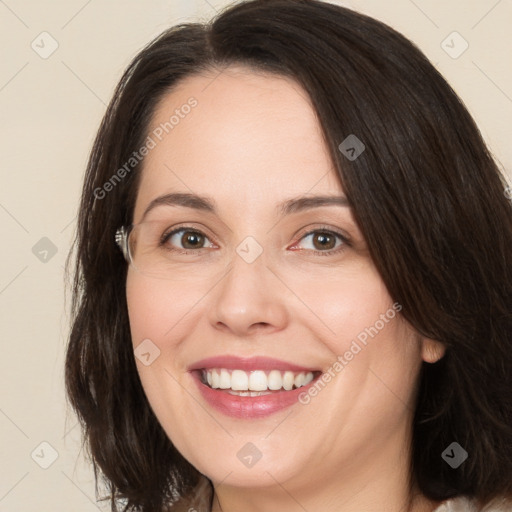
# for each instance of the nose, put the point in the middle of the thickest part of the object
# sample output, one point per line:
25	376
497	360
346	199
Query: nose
249	298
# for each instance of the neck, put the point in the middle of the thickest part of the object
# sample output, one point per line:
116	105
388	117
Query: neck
230	501
377	482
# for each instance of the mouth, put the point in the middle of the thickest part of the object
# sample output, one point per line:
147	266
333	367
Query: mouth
251	388
254	383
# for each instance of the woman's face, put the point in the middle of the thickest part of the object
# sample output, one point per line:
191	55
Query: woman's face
265	277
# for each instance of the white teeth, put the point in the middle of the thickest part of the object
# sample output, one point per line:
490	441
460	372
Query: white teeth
215	379
239	381
255	383
288	380
248	393
275	381
225	379
307	378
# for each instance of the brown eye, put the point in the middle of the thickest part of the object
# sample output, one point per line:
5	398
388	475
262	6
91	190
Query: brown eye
192	240
325	242
189	239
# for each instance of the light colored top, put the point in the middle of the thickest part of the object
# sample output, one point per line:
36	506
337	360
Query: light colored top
200	498
465	504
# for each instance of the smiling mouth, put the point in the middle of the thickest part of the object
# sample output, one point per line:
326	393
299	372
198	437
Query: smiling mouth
255	382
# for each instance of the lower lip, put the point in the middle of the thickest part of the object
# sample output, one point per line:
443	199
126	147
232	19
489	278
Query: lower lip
249	407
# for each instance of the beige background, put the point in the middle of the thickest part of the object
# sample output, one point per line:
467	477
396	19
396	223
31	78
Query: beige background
50	110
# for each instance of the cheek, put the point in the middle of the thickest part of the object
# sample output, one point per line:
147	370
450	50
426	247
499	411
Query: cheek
156	308
340	307
373	355
159	313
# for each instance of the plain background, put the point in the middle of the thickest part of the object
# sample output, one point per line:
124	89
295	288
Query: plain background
50	110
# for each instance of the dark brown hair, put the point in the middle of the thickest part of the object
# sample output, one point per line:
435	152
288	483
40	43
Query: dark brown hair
426	193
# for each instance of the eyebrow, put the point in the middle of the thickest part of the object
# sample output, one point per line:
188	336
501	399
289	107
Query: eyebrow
207	204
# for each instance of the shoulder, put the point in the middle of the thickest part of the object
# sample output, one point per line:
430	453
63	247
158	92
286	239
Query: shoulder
467	504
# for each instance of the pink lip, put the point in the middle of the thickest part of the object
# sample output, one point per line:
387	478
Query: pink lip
248	364
247	407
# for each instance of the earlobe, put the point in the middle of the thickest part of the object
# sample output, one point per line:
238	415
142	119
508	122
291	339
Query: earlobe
431	350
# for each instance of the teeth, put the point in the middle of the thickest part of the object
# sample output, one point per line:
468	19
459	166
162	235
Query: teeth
256	382
249	393
275	380
288	380
239	381
224	380
299	380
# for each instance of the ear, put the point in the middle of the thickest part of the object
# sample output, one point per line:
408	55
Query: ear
431	350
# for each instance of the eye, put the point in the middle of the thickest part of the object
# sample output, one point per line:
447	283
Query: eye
324	242
191	239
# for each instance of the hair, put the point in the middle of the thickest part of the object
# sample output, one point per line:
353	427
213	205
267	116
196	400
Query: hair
426	193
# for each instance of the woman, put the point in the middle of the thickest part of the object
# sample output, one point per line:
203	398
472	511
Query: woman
307	302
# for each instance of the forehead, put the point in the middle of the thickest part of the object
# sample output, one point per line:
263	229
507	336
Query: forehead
252	138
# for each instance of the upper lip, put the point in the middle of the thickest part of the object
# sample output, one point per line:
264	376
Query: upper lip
248	364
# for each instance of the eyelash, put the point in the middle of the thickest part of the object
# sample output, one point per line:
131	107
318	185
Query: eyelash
346	242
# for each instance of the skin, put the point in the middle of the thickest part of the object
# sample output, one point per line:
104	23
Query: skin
252	142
